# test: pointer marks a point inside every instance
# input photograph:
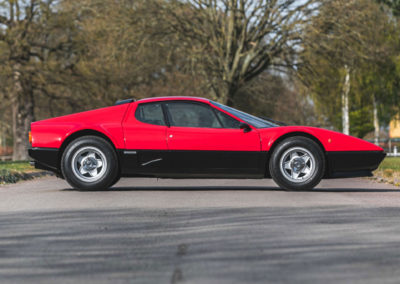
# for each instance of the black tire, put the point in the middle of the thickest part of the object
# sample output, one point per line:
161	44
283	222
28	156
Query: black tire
115	180
290	167
100	169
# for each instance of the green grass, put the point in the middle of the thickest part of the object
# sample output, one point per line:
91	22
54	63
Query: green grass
392	163
389	171
12	172
20	166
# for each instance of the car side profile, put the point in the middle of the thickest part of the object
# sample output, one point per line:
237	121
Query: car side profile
187	137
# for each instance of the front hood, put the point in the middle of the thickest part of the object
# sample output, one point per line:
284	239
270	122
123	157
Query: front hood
330	140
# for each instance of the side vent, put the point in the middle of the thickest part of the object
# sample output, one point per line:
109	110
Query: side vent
121	102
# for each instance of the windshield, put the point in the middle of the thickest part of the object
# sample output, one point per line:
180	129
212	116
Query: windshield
248	118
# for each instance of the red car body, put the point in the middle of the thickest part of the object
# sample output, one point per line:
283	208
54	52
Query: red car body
145	149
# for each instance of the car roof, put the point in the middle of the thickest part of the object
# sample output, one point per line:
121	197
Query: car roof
174	98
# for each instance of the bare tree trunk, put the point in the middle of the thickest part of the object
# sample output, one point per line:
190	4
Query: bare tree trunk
23	115
376	122
230	99
1	140
226	94
22	112
345	102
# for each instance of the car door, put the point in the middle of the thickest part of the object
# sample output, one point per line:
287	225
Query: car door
204	141
145	132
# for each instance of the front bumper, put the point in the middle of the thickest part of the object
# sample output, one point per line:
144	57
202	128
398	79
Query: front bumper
353	163
45	158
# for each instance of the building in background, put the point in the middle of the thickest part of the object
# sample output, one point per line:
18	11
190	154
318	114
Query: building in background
394	128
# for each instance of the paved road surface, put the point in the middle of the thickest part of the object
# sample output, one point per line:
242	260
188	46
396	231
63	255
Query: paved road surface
200	231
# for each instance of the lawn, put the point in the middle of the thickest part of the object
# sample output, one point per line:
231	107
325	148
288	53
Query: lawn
389	171
20	166
392	163
12	172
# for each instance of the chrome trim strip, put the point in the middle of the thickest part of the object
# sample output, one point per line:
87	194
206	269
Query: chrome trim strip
152	161
130	152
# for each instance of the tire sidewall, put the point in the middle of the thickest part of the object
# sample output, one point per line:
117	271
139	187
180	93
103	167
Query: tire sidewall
108	177
310	145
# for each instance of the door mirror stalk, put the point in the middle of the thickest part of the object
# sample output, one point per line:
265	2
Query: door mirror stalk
246	128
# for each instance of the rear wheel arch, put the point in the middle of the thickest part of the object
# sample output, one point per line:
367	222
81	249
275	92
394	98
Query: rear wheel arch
81	133
294	134
90	162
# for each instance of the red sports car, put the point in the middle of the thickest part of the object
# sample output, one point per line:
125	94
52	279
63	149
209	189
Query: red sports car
182	137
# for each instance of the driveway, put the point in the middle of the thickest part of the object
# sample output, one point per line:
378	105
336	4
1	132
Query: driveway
200	231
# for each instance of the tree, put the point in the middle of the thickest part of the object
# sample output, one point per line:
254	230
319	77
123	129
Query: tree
340	50
394	5
59	57
229	43
127	53
273	95
335	39
31	40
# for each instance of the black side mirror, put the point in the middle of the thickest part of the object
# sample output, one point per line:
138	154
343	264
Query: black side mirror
246	128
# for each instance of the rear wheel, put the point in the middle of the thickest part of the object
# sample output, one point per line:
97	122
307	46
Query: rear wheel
297	163
90	163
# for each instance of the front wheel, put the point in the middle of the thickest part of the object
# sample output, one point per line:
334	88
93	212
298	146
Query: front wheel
90	163
297	163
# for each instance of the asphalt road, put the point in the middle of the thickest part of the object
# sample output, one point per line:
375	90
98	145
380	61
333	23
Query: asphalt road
200	231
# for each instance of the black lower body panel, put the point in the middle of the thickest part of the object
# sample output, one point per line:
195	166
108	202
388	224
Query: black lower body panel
172	164
199	164
45	158
214	164
353	163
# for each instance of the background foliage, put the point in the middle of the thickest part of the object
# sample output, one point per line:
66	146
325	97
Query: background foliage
282	59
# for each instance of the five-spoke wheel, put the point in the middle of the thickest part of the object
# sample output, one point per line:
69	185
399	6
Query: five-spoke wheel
90	162
297	163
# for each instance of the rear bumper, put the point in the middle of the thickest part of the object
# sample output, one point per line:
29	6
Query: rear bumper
353	163
45	158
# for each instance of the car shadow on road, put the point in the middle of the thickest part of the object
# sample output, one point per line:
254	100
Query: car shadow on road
229	188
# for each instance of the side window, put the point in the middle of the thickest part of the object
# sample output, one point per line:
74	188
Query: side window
151	113
192	115
226	120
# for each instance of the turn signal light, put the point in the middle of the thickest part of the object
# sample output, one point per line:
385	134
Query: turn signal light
30	137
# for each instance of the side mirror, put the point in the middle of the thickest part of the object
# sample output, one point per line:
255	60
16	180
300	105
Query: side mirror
246	128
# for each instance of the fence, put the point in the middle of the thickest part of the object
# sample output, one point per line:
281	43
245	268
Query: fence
5	153
391	146
5	158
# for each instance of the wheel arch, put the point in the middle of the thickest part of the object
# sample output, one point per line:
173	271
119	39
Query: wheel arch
295	134
81	133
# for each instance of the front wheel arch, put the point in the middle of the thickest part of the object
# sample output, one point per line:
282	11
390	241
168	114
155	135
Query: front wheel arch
294	134
314	165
